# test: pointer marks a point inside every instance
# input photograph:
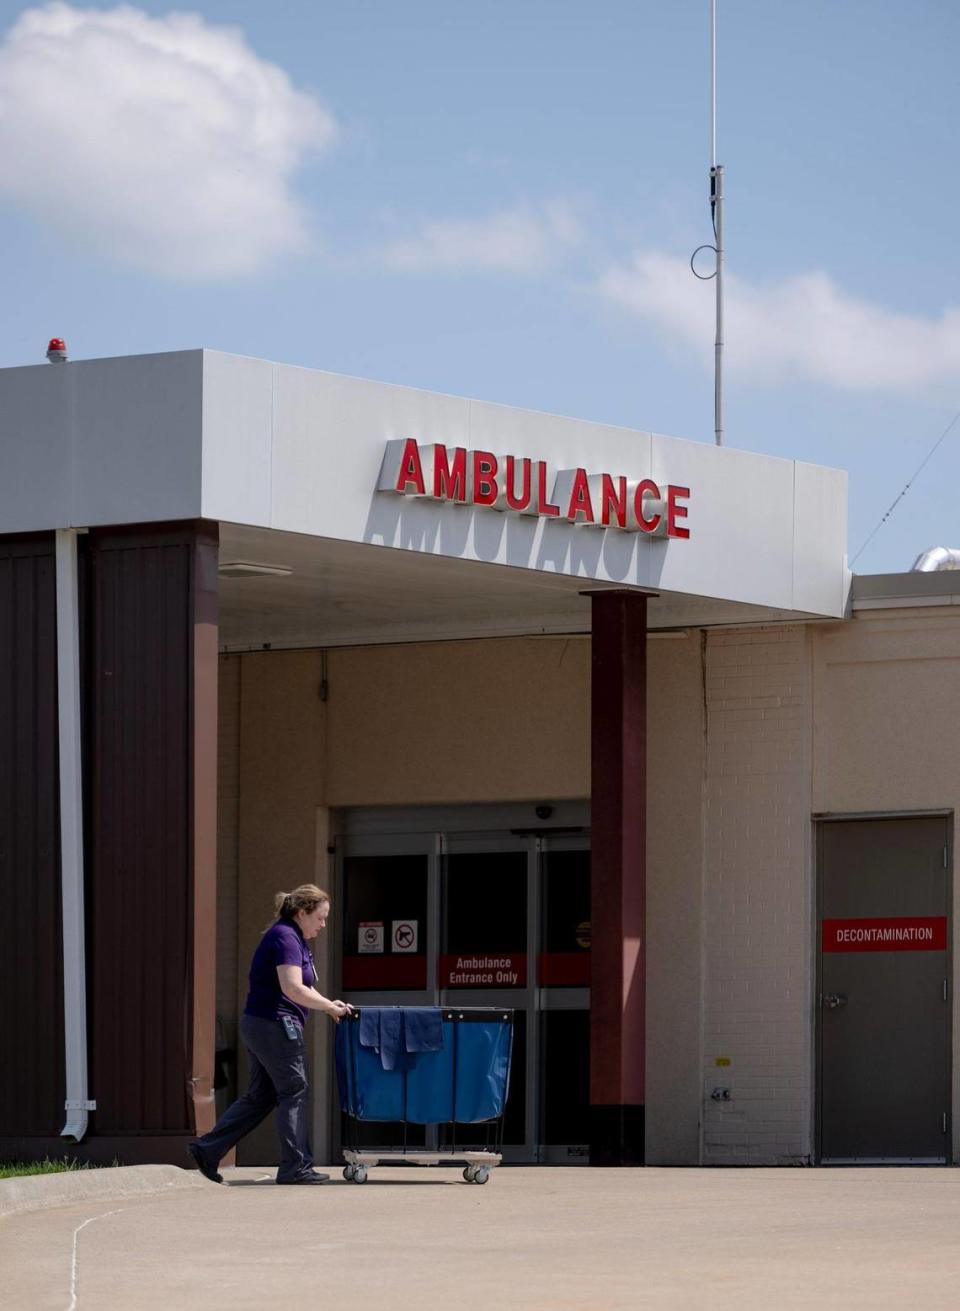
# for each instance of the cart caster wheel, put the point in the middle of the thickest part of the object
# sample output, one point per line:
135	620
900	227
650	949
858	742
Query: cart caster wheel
481	1174
348	1172
470	1173
359	1174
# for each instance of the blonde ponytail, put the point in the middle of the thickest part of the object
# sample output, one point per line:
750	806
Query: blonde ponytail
306	898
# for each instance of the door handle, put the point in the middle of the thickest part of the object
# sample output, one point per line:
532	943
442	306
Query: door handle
832	1001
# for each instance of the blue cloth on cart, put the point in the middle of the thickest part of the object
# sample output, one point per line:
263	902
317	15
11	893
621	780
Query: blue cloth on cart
421	1090
423	1028
381	1030
392	1056
370	1027
394	1031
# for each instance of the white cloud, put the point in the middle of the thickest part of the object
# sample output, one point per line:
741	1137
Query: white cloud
802	328
525	239
166	142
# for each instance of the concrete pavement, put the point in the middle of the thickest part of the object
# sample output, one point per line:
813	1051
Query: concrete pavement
561	1239
40	1192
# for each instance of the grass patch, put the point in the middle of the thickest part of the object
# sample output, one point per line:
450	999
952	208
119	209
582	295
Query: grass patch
15	1170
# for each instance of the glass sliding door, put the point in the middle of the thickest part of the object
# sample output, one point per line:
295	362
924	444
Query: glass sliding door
481	919
387	942
385	900
564	1000
488	919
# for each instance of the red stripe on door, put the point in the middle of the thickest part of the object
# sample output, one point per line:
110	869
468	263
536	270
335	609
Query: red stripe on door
391	970
564	969
906	933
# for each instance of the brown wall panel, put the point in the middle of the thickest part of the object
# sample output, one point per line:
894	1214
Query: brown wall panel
31	955
152	848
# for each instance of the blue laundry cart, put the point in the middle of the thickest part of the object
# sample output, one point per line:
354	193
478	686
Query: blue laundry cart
425	1065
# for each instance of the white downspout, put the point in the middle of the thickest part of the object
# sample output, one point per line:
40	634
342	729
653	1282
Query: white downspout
77	1104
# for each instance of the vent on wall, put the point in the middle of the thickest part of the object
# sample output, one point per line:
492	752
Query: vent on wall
250	569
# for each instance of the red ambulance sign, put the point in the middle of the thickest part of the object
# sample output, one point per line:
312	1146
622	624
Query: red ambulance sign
524	486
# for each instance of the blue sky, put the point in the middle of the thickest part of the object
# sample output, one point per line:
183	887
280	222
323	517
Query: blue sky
499	201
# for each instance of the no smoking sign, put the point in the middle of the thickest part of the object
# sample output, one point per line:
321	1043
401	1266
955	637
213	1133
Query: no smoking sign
404	935
370	937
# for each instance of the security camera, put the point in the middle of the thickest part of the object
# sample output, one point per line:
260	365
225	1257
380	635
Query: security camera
543	812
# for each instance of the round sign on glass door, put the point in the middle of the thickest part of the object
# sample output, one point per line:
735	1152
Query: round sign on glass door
404	936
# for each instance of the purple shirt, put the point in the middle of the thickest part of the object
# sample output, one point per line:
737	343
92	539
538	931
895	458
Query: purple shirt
282	944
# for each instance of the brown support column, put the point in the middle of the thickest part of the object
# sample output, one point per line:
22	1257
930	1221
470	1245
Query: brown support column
206	665
618	878
151	607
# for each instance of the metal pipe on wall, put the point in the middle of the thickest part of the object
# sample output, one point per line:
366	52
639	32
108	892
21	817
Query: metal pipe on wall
78	1104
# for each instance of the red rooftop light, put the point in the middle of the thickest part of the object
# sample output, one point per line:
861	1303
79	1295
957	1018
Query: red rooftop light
57	350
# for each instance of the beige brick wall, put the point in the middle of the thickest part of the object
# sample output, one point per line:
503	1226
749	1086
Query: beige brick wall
757	897
888	711
675	769
448	722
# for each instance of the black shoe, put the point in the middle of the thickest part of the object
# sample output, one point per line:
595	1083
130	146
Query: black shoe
314	1177
203	1165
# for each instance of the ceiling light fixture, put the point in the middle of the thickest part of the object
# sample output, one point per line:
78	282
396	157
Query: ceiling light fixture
251	569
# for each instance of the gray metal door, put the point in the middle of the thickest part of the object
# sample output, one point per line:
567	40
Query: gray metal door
884	1017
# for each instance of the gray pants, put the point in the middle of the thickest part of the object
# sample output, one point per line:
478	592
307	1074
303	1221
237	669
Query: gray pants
278	1078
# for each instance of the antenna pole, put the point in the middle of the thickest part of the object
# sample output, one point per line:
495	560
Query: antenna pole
713	84
716	207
